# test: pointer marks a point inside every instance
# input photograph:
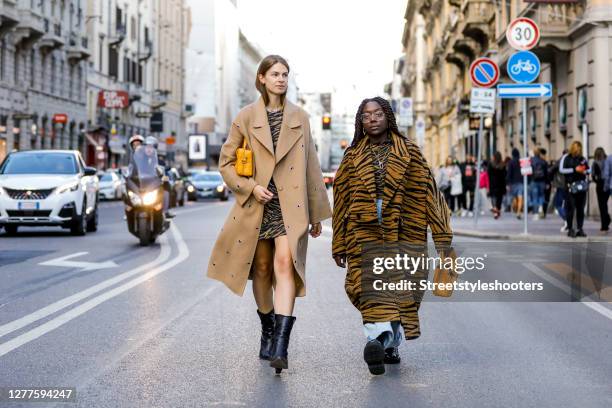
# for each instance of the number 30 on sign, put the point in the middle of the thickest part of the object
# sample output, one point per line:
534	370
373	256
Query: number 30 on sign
523	34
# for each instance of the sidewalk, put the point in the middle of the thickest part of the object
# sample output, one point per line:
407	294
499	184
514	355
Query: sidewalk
510	228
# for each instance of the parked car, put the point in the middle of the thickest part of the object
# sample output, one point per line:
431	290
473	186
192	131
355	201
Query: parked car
178	192
111	185
48	188
210	185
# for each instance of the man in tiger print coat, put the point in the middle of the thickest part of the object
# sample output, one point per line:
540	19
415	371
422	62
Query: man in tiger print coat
411	202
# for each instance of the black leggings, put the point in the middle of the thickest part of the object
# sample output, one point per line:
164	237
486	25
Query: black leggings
575	202
496	200
602	201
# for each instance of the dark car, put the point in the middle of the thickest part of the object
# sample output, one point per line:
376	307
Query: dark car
210	184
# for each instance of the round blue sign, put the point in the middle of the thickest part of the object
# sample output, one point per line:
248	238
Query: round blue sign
523	67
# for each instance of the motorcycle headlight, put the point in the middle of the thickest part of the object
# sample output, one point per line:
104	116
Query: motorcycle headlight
134	198
74	186
220	188
149	198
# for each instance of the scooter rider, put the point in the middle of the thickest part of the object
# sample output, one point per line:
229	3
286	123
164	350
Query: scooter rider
150	140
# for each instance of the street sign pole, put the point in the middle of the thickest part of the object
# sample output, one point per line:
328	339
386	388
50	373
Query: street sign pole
525	154
478	165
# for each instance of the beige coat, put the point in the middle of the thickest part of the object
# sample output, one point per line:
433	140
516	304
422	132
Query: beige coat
301	190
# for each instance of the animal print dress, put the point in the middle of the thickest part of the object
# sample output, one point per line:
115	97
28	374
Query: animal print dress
272	224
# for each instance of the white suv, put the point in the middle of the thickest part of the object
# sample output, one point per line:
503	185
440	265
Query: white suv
48	187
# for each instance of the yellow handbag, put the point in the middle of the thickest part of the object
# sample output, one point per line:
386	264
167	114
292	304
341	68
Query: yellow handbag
244	160
445	276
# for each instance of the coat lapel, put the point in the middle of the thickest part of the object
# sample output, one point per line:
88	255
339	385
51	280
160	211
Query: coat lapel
362	160
291	131
397	163
261	128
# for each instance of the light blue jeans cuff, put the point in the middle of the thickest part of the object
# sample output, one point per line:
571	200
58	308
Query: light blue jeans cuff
394	333
379	209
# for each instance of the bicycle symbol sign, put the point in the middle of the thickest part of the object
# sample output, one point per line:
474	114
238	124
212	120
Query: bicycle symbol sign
523	67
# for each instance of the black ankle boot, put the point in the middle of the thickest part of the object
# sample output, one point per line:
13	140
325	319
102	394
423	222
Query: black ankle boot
267	334
282	331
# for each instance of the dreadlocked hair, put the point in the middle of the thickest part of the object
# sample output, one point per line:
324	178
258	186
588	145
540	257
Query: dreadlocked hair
386	107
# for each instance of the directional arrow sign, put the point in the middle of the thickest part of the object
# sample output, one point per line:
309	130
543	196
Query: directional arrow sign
85	266
524	90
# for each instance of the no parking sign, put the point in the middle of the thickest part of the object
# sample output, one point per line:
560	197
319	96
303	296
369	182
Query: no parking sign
484	72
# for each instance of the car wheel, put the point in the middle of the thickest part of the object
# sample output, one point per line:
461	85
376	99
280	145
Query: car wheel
224	197
92	223
79	226
11	229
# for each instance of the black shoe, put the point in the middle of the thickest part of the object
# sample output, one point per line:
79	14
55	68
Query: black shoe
580	233
374	356
571	233
280	343
169	215
392	356
267	334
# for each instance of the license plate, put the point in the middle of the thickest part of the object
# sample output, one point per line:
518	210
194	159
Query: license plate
28	205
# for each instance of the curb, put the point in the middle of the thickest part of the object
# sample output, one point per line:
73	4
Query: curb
527	238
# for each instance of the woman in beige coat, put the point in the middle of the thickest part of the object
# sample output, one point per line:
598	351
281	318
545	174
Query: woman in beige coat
266	234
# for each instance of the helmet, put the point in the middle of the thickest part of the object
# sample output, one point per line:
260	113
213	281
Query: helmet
150	140
136	138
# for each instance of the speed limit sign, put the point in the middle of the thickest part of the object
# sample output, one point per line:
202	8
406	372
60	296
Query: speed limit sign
523	34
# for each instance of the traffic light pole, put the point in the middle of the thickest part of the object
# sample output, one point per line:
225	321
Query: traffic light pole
478	165
525	154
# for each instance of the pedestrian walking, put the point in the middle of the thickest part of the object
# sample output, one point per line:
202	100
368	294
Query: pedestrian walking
514	181
384	193
607	175
497	182
548	185
537	186
259	241
483	188
602	193
450	182
575	168
557	181
468	183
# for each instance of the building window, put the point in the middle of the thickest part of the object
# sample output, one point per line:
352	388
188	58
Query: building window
133	28
70	81
101	55
113	62
2	57
17	67
33	68
562	114
61	78
52	74
79	91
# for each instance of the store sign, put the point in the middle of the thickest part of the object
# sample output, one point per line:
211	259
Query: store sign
113	99
60	118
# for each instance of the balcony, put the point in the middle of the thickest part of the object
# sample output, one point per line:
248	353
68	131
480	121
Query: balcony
77	50
119	36
29	29
466	46
478	15
148	51
52	39
556	26
9	17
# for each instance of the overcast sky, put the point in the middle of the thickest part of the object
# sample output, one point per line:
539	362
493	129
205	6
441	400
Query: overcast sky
346	46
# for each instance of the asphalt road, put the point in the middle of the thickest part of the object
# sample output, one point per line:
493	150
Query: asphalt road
147	329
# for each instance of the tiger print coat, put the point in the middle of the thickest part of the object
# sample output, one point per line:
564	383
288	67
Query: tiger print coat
411	203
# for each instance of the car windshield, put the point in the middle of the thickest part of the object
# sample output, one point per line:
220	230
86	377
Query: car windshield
208	177
40	163
106	177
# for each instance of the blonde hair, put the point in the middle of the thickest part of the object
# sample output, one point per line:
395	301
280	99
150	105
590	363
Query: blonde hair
264	66
575	149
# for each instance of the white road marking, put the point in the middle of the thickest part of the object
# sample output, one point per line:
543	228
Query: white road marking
63	303
596	306
85	266
90	304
